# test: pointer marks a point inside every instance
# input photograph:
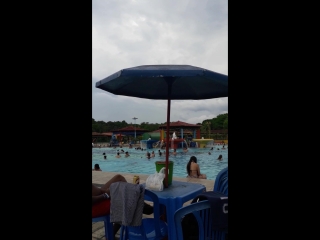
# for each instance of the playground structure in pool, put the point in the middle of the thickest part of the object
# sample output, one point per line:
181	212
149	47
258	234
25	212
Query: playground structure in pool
174	142
158	139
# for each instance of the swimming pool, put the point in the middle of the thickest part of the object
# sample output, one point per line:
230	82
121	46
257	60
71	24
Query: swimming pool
137	162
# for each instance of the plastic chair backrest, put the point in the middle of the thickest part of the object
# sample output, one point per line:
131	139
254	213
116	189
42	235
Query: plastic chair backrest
201	211
108	226
146	230
221	182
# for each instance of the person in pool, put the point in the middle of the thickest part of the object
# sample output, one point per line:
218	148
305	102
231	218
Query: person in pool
193	169
174	152
118	155
96	167
220	157
101	201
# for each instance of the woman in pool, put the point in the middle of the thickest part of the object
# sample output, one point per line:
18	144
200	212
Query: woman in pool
220	157
193	169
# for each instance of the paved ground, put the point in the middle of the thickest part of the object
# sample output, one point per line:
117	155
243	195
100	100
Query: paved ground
103	177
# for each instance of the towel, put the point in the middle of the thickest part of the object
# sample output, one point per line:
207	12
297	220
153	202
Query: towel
127	202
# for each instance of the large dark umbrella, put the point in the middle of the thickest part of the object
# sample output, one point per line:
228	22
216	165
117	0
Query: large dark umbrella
177	82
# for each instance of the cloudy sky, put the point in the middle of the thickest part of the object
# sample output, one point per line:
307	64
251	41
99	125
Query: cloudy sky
130	33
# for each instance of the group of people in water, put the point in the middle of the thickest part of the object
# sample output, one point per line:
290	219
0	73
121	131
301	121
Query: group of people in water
193	168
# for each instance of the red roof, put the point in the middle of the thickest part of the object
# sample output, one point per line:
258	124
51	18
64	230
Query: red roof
109	134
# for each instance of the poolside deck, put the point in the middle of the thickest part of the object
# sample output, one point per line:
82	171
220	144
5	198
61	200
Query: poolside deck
103	177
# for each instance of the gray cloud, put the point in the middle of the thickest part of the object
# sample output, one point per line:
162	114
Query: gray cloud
131	33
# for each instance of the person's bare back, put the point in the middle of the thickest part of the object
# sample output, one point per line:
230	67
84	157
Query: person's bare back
193	169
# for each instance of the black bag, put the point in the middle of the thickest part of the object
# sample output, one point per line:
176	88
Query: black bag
190	229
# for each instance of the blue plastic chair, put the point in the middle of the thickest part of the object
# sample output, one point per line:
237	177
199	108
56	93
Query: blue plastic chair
108	226
221	182
201	211
151	228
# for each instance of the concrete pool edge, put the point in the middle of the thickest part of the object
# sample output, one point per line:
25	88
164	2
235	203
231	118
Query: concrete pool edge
99	177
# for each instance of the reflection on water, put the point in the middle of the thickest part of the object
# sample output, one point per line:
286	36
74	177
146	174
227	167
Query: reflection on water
137	162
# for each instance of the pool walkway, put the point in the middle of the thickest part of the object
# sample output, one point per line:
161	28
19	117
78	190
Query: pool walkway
103	177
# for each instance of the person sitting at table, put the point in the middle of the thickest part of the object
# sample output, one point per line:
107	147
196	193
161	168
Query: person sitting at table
193	169
101	201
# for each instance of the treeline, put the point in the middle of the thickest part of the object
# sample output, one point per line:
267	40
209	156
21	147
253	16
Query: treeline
217	123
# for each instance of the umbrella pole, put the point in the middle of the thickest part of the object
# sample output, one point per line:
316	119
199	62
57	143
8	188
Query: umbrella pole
167	145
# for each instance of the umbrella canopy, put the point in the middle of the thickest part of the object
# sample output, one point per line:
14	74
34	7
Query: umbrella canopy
156	81
166	82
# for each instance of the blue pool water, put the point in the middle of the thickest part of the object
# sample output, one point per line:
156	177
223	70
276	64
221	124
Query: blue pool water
138	163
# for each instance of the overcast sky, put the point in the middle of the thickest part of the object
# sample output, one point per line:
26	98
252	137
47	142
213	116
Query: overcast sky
130	33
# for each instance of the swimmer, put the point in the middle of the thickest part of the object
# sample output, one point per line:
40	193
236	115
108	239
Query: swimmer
220	157
174	152
96	167
118	155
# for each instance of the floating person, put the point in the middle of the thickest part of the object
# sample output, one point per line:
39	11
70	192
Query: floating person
103	153
209	153
211	148
185	149
220	157
193	169
96	167
105	156
152	154
118	155
127	154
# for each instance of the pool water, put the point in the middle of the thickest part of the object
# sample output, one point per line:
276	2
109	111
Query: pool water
138	162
